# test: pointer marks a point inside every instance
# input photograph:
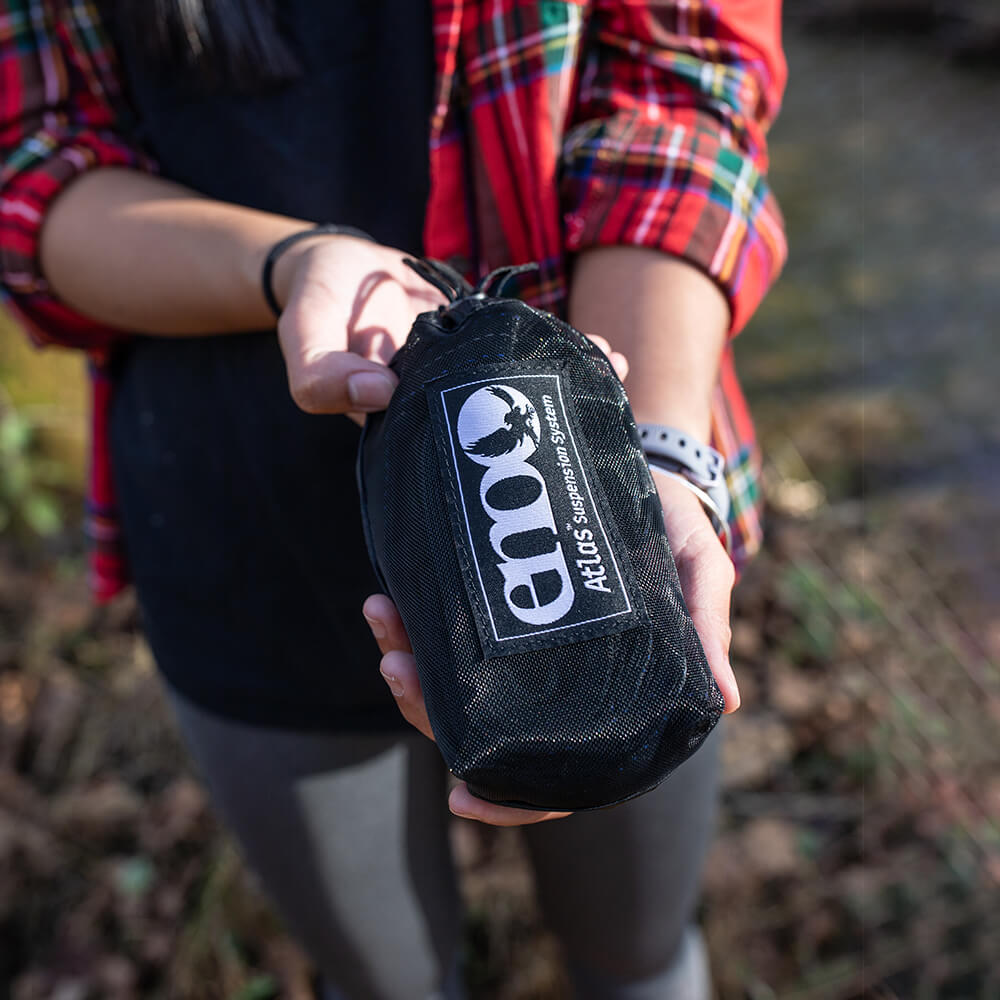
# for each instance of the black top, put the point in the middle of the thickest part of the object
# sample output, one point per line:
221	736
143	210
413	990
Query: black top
239	510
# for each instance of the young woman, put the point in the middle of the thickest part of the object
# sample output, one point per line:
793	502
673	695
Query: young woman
153	155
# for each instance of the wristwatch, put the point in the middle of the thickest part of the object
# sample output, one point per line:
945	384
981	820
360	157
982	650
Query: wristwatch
697	466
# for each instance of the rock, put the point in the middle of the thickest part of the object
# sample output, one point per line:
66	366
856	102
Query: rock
121	614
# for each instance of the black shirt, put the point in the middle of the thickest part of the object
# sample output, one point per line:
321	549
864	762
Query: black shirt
240	511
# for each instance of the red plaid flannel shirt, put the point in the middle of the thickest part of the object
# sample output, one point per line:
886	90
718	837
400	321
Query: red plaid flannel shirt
558	125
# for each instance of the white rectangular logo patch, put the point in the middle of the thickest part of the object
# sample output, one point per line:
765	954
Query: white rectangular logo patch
540	555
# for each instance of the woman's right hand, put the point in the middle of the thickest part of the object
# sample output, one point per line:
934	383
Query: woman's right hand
399	669
348	305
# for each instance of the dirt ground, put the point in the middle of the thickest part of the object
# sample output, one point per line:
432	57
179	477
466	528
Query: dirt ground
858	853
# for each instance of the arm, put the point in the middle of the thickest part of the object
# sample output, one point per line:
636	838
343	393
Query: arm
666	147
92	245
143	254
140	253
59	115
677	234
667	318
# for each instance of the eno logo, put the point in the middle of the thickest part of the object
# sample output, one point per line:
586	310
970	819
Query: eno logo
498	428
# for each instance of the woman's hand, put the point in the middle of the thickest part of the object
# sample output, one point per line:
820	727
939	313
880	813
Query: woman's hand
399	669
348	305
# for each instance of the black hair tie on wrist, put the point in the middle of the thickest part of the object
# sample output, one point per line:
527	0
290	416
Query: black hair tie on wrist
281	246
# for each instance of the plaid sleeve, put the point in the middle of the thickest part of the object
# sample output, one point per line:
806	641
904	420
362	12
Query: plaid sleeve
666	147
58	118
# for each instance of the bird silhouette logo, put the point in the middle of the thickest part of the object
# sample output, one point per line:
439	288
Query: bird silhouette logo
519	422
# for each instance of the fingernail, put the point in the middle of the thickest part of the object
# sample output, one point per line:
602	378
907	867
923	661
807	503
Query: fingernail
370	390
378	629
394	686
462	815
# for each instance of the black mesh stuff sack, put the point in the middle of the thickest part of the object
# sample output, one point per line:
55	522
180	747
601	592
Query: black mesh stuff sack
511	516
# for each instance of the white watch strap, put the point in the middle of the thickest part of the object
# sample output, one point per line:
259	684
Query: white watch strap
698	465
705	465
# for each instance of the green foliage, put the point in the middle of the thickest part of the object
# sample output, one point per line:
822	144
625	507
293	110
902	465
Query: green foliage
29	480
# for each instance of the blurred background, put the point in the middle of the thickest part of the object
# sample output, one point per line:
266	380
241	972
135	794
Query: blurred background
858	853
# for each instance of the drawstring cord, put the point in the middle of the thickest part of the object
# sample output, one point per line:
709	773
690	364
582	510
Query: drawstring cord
442	276
453	286
496	281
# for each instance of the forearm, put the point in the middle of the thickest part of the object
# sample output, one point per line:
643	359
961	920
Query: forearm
667	318
147	255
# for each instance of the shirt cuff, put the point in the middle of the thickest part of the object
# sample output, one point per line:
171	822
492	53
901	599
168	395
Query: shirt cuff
38	171
675	187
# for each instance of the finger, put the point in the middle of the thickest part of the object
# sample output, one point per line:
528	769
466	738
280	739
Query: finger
400	672
717	654
386	625
706	575
601	343
323	376
620	364
618	360
463	803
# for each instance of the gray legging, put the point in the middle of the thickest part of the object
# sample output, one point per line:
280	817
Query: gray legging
348	833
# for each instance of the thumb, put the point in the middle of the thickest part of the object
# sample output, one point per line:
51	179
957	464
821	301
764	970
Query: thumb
323	376
708	600
707	578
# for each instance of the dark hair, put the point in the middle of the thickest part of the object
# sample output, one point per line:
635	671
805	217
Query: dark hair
236	45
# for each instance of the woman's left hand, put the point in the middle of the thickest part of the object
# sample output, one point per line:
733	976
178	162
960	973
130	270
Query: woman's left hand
399	669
